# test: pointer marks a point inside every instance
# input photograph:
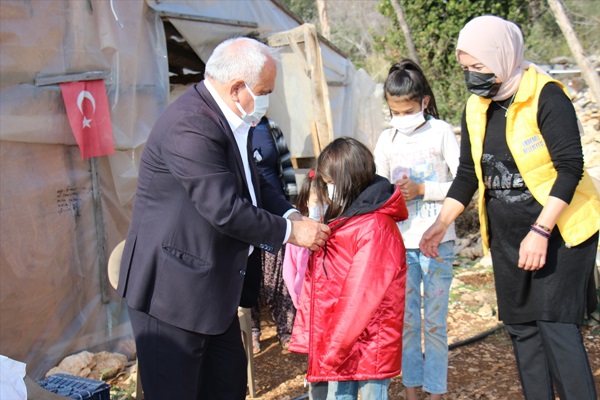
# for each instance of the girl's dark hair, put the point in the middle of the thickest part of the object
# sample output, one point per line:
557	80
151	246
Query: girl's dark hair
407	79
349	164
304	193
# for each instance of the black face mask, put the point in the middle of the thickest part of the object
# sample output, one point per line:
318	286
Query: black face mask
483	85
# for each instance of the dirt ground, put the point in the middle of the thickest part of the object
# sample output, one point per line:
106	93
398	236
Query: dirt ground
481	359
478	369
484	369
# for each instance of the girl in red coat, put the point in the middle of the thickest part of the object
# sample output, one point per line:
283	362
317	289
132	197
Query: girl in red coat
350	312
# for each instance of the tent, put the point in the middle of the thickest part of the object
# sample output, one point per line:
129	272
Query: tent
60	215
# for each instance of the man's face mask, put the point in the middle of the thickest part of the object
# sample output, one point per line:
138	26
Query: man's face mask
482	84
261	103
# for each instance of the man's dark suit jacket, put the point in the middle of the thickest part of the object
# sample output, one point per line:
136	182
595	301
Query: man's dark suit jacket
186	252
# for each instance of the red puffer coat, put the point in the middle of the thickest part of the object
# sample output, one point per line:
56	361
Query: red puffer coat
351	308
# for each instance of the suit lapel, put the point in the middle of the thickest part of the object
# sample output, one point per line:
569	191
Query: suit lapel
212	104
253	169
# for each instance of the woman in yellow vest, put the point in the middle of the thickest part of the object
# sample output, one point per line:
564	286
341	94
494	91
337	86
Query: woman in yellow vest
538	209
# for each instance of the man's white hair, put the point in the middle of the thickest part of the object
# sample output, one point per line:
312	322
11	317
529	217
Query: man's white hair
239	58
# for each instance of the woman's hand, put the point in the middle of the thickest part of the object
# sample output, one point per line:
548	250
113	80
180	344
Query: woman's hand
532	254
533	250
432	238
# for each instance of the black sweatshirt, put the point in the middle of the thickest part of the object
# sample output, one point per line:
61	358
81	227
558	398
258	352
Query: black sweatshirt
557	121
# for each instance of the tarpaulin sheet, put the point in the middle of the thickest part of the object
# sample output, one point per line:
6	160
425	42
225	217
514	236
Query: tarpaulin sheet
53	245
50	292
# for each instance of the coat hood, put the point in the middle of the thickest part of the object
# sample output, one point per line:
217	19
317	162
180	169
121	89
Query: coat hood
381	196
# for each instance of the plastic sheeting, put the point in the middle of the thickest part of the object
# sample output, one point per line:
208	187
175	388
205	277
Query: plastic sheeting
54	295
356	111
50	272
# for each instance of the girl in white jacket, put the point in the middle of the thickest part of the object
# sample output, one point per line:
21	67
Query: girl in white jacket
420	154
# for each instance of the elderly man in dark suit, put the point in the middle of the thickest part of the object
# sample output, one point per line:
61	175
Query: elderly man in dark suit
200	210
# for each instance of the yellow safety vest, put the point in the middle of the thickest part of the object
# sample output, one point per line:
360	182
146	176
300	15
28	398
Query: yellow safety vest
581	219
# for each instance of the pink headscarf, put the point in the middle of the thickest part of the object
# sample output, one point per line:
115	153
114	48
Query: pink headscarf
498	44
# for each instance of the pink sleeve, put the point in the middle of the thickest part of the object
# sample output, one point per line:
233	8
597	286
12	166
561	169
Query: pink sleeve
294	267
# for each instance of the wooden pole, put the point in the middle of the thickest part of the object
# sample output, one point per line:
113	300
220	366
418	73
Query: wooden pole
412	51
587	70
321	128
100	231
324	19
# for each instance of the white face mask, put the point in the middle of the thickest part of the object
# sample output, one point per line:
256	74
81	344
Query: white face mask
314	212
408	123
261	103
330	190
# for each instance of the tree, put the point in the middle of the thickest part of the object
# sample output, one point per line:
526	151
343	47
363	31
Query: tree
435	26
587	69
353	28
306	10
405	30
323	19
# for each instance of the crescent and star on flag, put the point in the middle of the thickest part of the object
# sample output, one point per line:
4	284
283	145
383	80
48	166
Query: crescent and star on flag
88	112
84	94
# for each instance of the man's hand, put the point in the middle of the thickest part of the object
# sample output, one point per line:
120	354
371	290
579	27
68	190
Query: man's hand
308	233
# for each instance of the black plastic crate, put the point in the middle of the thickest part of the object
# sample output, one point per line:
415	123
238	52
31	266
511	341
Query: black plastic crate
76	387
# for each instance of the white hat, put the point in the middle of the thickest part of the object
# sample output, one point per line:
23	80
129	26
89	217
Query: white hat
114	264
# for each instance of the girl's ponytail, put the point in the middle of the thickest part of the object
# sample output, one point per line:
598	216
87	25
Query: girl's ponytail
406	78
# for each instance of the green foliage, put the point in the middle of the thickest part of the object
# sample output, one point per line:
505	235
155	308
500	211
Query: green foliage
123	392
435	24
434	27
306	10
546	41
351	31
585	17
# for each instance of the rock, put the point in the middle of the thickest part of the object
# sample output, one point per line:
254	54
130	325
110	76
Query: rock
466	297
467	222
99	366
472	252
460	244
486	261
108	365
564	60
77	364
485	311
127	347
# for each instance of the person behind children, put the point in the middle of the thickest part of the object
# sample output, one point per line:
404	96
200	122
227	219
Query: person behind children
539	211
274	163
350	312
200	210
420	154
296	258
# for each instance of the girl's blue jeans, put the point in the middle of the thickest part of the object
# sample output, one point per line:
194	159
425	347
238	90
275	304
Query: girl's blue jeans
348	390
428	368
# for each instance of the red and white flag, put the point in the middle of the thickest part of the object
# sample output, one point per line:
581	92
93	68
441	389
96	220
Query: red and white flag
87	109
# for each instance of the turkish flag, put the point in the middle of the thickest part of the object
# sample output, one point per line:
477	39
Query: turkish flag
87	109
